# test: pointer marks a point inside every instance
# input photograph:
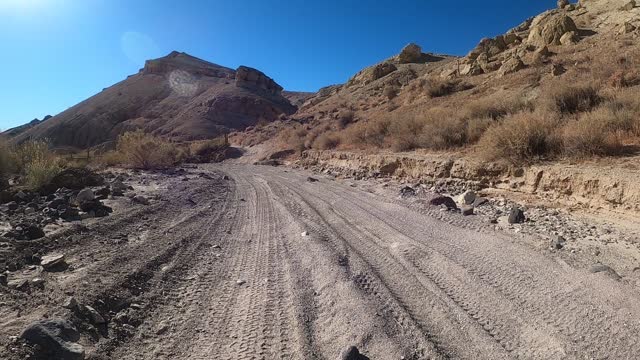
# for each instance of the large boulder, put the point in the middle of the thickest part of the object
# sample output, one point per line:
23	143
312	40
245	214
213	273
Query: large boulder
511	65
490	46
411	53
550	30
56	339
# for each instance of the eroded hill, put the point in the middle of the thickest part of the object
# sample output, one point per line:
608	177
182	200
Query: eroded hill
177	96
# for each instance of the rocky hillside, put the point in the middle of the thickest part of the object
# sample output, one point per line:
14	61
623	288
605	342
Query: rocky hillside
563	83
177	96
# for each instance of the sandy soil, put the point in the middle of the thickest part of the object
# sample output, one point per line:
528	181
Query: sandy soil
268	265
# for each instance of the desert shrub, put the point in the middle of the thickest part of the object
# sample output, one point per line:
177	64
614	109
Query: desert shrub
7	163
592	134
204	151
292	138
367	133
495	107
438	87
521	137
40	170
345	117
144	151
326	141
390	92
571	99
476	128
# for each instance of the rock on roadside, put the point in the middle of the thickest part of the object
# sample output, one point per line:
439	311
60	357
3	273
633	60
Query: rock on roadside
56	339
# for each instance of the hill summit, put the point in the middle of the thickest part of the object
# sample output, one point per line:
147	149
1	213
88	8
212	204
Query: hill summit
177	96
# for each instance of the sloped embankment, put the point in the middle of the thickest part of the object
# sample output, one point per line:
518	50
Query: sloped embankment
611	186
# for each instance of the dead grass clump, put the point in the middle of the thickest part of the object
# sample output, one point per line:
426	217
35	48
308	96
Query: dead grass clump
390	92
140	150
345	118
476	128
572	99
292	138
367	133
34	160
205	151
592	134
326	141
521	137
495	107
7	165
437	87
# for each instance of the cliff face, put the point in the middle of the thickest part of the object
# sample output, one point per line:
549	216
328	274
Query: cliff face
178	96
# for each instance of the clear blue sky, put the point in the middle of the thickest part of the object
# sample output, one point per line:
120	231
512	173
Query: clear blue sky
56	53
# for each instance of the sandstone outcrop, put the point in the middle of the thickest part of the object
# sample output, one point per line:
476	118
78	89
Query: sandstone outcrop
254	79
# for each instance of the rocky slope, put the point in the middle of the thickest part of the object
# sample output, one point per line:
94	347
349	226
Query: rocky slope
178	96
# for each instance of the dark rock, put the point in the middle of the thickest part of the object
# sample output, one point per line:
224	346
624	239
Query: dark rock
19	284
479	201
26	231
139	199
103	193
74	179
96	207
443	200
557	242
352	353
12	206
3	280
407	191
69	214
56	339
467	210
516	216
50	262
312	180
93	315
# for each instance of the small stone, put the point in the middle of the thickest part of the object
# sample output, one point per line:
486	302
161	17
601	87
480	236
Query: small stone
162	328
19	284
467	198
479	201
94	315
240	282
350	353
304	234
3	279
312	180
407	191
70	303
443	200
49	262
516	216
557	242
38	282
85	195
467	210
139	199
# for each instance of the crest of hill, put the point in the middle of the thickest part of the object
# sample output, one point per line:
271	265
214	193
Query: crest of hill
177	96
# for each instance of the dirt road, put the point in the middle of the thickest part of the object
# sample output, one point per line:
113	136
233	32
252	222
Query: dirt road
268	265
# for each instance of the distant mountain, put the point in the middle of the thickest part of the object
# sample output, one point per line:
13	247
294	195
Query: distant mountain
178	96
